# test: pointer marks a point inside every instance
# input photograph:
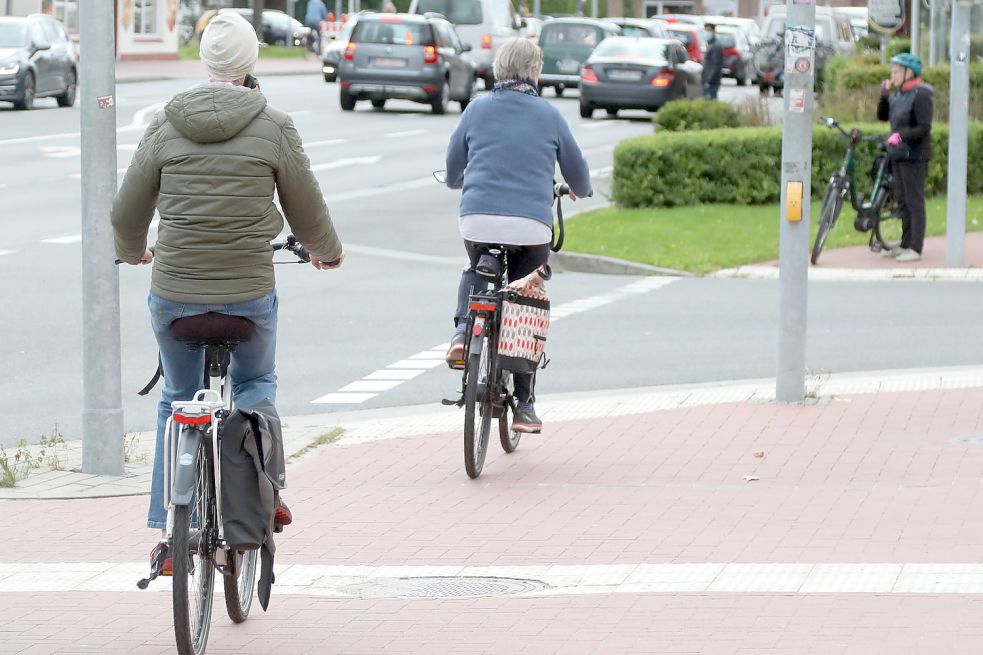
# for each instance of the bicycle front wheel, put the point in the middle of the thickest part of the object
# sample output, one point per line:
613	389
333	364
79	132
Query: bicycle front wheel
239	587
194	575
832	205
888	227
478	407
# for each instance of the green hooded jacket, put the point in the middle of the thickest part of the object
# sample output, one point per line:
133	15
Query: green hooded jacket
209	162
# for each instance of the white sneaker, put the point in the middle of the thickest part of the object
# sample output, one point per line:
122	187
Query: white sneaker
892	252
908	255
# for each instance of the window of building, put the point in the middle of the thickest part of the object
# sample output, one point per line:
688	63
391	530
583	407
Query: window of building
145	17
67	11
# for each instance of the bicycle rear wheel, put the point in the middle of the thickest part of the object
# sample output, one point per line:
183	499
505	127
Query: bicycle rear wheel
888	227
478	406
508	439
194	575
239	588
832	205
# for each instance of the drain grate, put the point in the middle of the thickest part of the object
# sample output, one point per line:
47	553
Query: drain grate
442	587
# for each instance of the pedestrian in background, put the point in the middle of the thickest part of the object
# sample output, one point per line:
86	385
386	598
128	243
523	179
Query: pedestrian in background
909	110
713	64
316	12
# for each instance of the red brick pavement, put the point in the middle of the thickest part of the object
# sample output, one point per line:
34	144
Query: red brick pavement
872	478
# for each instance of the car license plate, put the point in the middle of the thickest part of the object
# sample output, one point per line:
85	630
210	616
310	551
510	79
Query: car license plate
389	62
627	76
568	66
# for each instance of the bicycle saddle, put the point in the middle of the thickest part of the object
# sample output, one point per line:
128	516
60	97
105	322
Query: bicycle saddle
213	328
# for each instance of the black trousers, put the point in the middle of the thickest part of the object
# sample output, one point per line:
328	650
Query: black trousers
521	262
909	189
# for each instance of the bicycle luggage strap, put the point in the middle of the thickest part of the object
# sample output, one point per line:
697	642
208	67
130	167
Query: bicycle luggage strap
153	382
558	243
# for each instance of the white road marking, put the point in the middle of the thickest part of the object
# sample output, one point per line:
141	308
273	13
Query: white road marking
604	171
640	286
350	161
371	385
71	238
596	125
416	364
127	147
78	176
300	112
818	274
404	133
42	137
393	374
560	579
344	398
404	255
6	252
141	118
58	152
3	186
380	190
326	142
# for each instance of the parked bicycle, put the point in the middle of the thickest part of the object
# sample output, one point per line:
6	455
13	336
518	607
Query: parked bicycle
193	483
879	214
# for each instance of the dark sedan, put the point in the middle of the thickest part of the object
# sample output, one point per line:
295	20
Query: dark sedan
37	60
637	73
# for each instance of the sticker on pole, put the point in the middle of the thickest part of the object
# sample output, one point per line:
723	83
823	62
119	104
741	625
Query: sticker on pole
800	49
105	102
797	100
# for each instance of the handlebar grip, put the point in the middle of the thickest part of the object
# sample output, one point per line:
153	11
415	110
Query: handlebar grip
301	252
561	190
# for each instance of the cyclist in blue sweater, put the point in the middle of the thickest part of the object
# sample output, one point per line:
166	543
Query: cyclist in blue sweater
504	154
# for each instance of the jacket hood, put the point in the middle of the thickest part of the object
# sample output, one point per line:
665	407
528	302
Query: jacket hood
212	113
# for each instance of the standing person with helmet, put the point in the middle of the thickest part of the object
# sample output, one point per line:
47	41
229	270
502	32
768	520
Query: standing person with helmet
909	110
504	154
209	163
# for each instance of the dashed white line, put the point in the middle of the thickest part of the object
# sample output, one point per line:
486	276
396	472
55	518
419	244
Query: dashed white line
78	176
394	374
405	133
371	385
71	238
301	112
60	152
6	252
344	398
350	161
321	144
381	190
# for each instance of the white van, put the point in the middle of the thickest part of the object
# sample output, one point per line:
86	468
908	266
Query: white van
484	24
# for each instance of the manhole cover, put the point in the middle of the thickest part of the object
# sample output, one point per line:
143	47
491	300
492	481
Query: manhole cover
442	587
972	440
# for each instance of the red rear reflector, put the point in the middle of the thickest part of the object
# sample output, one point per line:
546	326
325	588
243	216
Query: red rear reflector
345	85
481	307
350	51
486	42
192	420
588	75
429	54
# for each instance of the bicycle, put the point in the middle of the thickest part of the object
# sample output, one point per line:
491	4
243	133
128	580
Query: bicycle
193	482
487	390
879	214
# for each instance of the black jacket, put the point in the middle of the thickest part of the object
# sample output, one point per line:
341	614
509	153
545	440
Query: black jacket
713	62
910	114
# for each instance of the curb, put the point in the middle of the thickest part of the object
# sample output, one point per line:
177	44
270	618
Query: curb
162	77
581	263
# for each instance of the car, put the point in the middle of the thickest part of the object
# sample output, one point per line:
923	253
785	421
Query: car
834	36
691	36
37	60
278	28
531	27
566	44
749	26
332	52
409	57
737	54
482	24
640	27
627	72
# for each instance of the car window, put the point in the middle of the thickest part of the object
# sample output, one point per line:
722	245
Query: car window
680	55
392	33
682	35
634	30
346	30
631	49
50	32
13	35
726	40
458	12
570	34
455	39
37	34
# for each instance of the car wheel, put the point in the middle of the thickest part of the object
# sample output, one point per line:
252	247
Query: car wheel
379	103
489	80
26	100
347	100
586	110
763	89
558	90
439	106
539	87
67	99
612	112
330	77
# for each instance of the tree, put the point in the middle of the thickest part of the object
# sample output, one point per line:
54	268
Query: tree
258	6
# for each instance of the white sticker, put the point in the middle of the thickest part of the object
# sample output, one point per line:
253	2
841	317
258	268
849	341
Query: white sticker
187	459
797	100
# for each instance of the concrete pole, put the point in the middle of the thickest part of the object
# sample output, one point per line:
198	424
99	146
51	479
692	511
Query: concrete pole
955	223
885	39
933	31
537	7
102	399
793	257
916	27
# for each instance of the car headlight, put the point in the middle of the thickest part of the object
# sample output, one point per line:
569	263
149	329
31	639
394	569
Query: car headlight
9	68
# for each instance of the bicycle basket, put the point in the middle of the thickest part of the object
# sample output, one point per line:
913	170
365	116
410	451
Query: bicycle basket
525	324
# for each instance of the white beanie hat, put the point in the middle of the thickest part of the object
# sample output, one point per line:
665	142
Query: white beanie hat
229	47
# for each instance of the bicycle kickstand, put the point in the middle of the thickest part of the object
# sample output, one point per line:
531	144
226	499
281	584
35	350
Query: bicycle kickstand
156	568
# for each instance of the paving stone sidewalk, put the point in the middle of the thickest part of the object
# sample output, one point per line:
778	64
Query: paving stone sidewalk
877	479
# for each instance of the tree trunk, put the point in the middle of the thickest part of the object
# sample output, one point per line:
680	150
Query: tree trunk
258	6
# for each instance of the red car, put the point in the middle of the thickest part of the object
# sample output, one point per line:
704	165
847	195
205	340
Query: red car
691	37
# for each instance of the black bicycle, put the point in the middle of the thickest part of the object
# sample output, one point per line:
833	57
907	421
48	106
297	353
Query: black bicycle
879	214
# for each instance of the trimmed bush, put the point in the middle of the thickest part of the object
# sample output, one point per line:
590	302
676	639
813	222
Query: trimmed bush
698	114
852	76
743	165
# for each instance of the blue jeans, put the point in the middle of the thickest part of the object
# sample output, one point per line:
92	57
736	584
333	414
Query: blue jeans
711	90
251	370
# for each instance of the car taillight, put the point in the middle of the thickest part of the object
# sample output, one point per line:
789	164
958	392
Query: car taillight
350	51
663	79
730	52
486	42
429	54
587	75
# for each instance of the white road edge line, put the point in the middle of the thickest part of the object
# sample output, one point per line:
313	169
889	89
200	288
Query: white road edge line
7	252
65	240
404	133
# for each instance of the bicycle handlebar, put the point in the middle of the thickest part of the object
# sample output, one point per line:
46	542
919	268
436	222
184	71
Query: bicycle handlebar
853	135
297	248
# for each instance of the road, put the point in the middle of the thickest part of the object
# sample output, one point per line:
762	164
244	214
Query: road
393	298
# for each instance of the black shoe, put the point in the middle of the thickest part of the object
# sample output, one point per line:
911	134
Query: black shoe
525	419
455	354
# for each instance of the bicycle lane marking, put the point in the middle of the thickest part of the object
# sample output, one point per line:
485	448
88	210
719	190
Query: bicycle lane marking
404	370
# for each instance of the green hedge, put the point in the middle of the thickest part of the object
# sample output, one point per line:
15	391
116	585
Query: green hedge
851	76
742	165
696	114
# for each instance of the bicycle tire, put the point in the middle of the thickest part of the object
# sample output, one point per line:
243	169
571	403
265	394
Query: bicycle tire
477	420
239	588
192	623
832	206
888	226
508	438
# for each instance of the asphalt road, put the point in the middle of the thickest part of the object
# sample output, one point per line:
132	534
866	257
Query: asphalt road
394	297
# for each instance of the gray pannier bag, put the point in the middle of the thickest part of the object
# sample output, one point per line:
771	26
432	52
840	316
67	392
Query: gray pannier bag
253	473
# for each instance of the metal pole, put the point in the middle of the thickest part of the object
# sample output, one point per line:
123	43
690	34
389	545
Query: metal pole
955	222
884	41
933	32
593	8
102	398
916	27
793	262
537	7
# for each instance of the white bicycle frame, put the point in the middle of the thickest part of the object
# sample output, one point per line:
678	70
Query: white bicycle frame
206	402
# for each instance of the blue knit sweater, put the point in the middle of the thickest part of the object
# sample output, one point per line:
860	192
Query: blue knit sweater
504	154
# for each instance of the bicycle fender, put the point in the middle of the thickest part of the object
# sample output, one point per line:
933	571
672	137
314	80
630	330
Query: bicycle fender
183	486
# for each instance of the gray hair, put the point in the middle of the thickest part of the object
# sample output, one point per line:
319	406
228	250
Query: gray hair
518	59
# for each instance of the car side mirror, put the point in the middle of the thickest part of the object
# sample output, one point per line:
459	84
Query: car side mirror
41	45
440	176
466	47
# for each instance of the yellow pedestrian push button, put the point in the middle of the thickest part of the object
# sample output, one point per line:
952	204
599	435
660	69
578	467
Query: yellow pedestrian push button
793	202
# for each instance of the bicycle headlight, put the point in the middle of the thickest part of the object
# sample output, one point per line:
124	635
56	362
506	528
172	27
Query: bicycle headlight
9	67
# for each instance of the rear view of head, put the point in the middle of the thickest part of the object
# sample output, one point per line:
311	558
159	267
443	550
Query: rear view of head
518	59
229	47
